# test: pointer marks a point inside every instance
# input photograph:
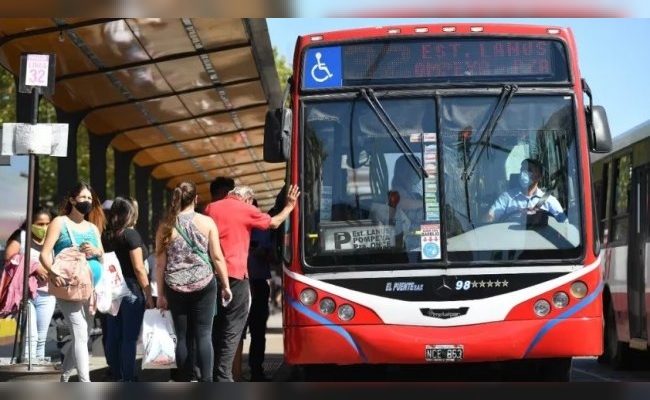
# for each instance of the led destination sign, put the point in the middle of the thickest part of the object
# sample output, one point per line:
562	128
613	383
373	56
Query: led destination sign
435	60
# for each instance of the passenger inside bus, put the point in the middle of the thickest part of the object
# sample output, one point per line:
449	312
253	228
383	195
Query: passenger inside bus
527	198
407	190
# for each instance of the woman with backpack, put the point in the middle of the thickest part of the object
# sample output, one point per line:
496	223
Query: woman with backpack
41	305
78	225
124	328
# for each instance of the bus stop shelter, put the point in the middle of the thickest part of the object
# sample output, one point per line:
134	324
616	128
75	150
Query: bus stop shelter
176	98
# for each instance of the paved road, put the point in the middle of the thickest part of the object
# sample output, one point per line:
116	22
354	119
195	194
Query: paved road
585	369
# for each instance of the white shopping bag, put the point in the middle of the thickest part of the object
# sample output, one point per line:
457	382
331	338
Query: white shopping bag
113	277
158	340
104	302
111	287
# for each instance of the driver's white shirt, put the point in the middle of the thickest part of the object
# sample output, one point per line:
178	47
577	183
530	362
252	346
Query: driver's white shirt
508	203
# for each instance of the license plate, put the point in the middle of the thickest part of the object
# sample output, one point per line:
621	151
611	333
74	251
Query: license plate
443	352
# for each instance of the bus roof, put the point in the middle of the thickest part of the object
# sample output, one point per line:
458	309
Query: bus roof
625	139
460	28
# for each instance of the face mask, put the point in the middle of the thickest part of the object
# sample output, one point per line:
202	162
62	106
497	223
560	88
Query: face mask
524	180
39	231
84	207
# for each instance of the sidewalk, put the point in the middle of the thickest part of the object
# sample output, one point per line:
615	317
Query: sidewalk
272	364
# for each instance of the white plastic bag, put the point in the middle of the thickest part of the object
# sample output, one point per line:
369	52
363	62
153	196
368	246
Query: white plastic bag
111	287
113	277
158	340
104	302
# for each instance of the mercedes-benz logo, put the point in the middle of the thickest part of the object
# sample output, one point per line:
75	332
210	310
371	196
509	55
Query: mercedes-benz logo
443	290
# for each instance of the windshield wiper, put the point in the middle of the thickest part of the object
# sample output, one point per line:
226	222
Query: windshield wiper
380	112
506	95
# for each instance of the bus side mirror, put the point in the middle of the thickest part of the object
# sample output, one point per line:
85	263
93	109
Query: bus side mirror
600	138
277	135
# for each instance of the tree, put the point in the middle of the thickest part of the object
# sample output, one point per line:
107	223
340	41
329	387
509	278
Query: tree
284	69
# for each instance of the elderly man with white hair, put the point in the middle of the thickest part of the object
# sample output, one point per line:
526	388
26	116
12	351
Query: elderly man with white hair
236	216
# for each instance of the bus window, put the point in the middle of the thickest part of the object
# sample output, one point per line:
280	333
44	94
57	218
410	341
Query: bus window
620	206
538	127
600	195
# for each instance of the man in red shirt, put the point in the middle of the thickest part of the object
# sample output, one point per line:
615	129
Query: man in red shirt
235	217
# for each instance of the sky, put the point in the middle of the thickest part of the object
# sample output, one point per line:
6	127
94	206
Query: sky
613	54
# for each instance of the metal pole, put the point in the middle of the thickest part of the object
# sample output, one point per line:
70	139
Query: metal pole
28	238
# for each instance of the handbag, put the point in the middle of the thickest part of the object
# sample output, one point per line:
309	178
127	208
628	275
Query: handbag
71	265
193	278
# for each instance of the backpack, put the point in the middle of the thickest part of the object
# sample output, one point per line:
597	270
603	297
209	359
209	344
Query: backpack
71	265
11	282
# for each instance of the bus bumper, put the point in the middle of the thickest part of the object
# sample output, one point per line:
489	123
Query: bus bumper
390	344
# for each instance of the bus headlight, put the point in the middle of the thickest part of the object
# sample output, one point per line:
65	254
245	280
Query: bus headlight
346	312
579	289
542	308
560	299
327	306
308	297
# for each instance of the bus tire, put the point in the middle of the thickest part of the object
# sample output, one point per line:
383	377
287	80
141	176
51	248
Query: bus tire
615	353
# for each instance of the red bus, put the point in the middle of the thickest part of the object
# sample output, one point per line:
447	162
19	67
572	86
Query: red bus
404	139
622	192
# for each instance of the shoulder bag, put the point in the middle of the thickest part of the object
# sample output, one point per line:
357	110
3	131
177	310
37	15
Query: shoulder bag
71	265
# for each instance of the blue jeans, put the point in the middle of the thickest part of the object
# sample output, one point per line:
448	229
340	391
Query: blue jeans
41	310
123	331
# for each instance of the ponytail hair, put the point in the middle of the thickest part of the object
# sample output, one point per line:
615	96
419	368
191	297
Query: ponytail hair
182	197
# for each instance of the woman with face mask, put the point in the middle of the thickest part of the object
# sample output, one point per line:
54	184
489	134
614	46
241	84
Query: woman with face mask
42	303
81	217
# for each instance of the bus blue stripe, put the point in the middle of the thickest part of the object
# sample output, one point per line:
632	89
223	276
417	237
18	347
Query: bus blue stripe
566	314
325	322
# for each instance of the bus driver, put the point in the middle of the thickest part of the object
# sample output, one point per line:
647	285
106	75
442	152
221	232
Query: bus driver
527	198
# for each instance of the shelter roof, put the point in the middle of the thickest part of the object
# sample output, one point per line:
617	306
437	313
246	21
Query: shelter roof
187	96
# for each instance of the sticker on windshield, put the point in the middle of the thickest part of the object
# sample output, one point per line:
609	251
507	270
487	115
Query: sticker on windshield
430	241
429	137
323	68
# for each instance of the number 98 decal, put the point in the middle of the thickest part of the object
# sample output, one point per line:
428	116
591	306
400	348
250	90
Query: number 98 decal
463	285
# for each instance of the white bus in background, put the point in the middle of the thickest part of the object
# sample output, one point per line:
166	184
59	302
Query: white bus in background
622	194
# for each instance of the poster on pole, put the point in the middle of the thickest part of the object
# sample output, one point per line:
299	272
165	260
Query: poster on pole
38	139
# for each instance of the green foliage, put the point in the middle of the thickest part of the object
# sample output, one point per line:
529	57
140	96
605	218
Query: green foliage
284	69
47	166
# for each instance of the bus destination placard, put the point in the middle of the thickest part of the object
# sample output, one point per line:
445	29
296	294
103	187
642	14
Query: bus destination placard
435	60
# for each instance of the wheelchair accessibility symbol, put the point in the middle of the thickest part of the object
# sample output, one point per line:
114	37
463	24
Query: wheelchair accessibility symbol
322	68
319	72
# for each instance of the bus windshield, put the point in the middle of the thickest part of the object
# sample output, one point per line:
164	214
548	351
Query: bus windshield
366	205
